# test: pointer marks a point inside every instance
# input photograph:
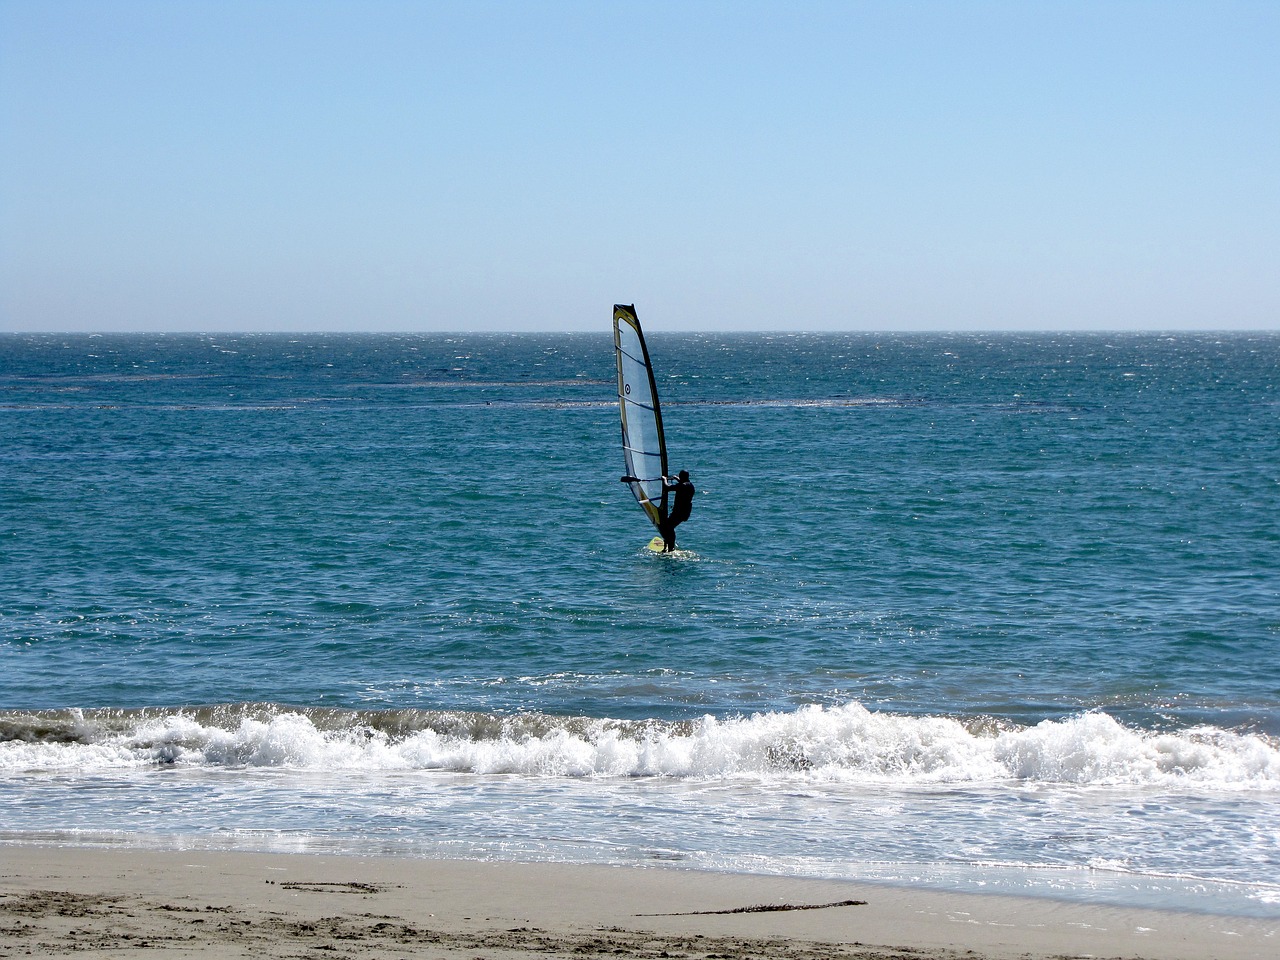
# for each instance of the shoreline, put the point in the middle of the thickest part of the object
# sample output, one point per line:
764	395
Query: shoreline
237	904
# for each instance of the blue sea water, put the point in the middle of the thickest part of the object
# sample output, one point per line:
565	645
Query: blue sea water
973	612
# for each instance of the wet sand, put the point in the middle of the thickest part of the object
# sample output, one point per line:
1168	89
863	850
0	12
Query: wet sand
129	903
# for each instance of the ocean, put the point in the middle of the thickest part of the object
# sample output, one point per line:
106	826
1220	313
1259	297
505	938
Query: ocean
990	613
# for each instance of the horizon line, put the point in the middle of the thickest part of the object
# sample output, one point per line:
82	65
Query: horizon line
659	330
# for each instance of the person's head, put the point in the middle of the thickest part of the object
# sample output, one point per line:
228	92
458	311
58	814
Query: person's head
684	474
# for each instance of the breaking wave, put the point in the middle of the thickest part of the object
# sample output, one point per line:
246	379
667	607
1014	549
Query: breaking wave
848	744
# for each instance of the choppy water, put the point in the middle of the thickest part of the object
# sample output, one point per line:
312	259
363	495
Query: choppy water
973	612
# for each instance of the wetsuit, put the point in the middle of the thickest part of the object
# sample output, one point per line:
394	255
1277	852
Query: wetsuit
679	512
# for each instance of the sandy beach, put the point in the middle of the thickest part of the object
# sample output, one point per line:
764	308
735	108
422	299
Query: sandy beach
58	900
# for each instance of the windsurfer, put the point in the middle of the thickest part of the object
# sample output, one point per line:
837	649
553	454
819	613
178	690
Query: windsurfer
684	490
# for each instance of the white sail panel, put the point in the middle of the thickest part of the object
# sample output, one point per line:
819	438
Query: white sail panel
643	446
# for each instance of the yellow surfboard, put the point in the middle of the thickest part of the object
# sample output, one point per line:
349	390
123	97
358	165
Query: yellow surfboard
656	545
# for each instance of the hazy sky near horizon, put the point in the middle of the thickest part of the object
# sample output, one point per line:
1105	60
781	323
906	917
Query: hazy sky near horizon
295	165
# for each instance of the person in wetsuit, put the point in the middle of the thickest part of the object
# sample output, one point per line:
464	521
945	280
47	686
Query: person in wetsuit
679	512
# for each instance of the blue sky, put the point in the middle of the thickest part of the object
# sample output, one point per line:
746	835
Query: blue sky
222	165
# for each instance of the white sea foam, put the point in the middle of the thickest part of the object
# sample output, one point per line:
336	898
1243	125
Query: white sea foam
842	744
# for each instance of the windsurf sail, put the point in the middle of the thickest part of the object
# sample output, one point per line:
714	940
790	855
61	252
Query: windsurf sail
643	446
